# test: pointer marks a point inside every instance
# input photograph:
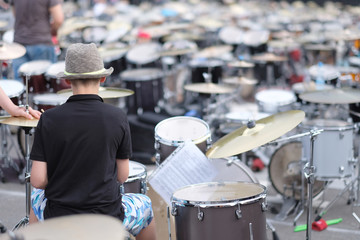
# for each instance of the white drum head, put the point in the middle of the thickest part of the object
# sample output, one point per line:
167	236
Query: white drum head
180	129
136	169
277	97
33	68
12	88
55	68
144	53
52	99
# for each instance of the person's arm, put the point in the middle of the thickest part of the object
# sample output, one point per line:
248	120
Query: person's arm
39	177
57	15
13	110
122	169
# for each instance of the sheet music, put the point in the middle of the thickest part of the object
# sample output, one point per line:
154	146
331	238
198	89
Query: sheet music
185	166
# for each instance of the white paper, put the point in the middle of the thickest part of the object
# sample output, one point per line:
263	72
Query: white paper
187	165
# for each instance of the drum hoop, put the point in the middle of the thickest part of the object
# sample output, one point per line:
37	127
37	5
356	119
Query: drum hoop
223	203
328	128
140	176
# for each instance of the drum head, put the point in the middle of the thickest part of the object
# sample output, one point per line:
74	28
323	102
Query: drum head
218	192
144	53
52	99
12	88
276	96
136	169
285	171
183	128
55	68
34	68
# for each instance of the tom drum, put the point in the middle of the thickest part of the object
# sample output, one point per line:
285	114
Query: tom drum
136	182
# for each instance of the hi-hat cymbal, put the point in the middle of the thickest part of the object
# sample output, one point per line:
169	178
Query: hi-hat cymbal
10	51
209	88
19	121
80	226
104	92
266	129
241	64
332	96
269	57
213	51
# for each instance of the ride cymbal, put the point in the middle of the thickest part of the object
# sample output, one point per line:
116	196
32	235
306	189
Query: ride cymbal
19	121
265	130
104	92
81	226
209	88
10	51
332	96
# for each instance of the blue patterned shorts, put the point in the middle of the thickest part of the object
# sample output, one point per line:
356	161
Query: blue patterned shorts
137	207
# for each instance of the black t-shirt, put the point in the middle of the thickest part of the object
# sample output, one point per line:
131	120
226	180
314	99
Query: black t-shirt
80	142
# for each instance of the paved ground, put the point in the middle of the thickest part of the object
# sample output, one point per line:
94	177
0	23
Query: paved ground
12	209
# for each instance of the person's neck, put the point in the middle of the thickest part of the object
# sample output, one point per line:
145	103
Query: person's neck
85	90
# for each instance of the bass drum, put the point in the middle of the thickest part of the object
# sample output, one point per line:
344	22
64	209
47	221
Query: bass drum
285	171
228	170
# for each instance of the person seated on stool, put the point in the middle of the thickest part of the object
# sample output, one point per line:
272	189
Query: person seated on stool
16	111
81	150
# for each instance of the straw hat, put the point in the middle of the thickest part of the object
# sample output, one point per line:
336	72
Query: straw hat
83	61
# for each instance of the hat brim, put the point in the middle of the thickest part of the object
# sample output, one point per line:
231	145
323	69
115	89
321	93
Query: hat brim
107	72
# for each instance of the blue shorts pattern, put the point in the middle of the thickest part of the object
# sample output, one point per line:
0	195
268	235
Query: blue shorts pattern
137	207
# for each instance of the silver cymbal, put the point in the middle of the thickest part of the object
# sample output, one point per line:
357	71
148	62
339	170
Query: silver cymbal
10	51
333	96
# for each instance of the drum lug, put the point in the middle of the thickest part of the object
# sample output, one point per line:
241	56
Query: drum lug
122	189
264	206
174	211
200	214
238	212
143	187
341	169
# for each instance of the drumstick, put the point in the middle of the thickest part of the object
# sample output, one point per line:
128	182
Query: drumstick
42	110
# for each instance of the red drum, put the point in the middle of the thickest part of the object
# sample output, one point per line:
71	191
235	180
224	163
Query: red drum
136	182
56	84
35	70
48	100
220	210
13	89
148	87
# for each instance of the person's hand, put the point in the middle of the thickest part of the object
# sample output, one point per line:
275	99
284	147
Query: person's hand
20	111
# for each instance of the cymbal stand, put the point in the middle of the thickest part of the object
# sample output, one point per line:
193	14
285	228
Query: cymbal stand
23	222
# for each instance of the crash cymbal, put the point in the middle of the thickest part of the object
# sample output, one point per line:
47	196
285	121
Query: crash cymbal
241	64
80	226
213	51
10	51
19	121
269	57
208	88
265	130
104	92
332	96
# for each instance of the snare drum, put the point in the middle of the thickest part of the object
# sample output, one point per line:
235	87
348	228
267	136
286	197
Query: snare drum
147	86
36	71
13	89
48	100
136	182
275	100
220	210
56	84
172	132
333	148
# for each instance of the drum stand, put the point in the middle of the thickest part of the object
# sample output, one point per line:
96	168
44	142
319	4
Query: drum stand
23	222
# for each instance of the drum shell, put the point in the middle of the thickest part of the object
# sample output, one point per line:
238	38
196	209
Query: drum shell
35	70
147	86
333	155
198	67
220	221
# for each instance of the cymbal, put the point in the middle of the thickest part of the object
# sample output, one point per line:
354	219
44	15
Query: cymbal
240	81
332	96
266	129
241	64
209	88
269	57
19	121
213	51
104	92
80	226
10	51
